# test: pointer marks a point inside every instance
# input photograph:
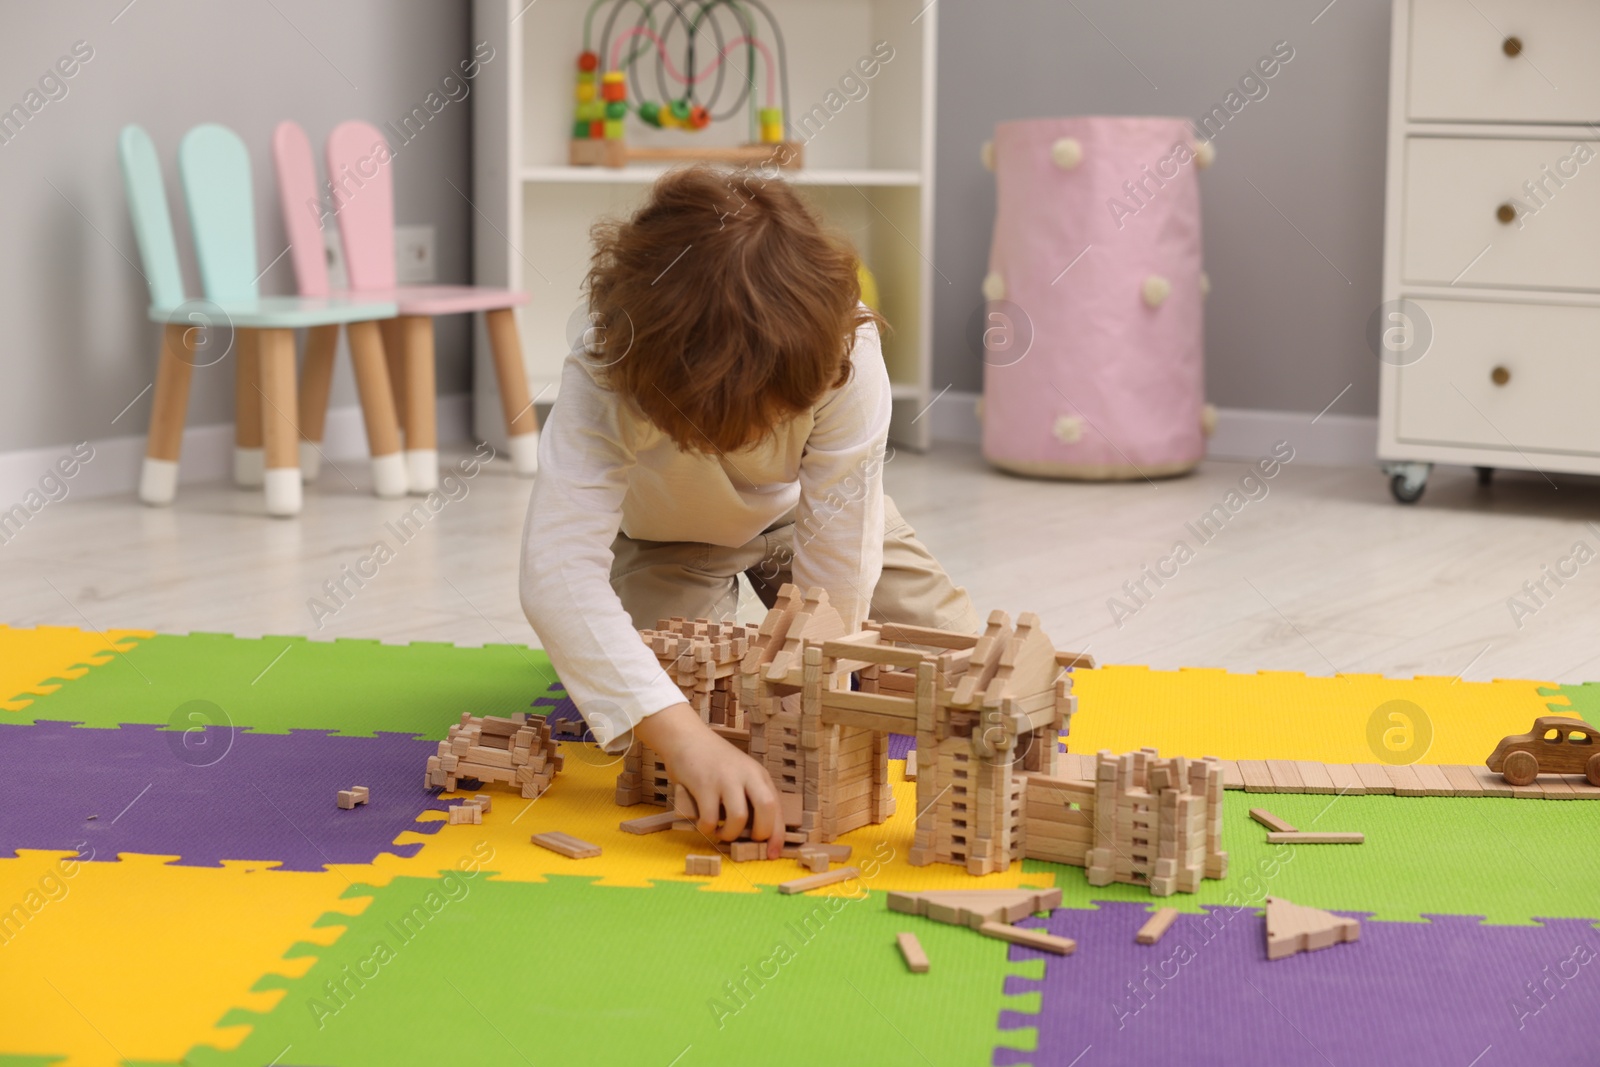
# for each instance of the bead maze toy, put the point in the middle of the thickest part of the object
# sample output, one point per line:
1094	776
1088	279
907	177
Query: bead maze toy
689	88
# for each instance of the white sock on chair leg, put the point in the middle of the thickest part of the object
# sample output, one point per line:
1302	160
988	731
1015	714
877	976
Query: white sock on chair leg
525	453
389	477
422	469
284	493
158	482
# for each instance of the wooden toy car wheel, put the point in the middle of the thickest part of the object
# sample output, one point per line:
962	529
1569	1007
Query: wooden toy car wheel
1593	770
1521	768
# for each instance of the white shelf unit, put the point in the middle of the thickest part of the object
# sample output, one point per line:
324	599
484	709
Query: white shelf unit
869	170
1484	99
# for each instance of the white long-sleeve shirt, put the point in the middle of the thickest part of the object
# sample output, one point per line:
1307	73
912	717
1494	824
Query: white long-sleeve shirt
604	468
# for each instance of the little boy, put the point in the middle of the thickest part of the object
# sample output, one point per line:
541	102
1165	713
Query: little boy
726	414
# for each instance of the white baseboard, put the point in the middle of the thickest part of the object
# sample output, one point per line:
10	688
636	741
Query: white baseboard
207	453
1332	441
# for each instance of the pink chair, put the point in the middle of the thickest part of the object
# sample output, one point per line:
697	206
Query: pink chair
358	162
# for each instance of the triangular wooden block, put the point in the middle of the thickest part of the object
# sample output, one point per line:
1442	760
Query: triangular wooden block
974	907
1293	928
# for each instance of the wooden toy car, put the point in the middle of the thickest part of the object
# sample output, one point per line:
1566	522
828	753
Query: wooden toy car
1556	745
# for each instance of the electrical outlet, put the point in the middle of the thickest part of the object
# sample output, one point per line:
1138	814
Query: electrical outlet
333	252
413	252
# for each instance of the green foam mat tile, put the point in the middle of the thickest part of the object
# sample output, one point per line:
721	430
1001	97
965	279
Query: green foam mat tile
277	684
478	971
1509	861
1580	700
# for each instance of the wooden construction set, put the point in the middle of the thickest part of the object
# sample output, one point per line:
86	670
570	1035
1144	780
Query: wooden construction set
987	710
700	71
518	751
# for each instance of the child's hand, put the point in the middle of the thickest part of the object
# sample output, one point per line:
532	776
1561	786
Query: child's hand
717	775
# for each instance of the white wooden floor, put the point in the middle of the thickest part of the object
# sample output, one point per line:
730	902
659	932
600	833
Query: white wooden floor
1325	573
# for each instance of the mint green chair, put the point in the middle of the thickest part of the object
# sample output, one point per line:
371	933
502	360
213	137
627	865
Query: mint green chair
216	175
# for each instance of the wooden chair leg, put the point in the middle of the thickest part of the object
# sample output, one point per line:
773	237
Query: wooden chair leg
280	437
367	354
522	422
316	382
158	481
248	461
422	425
394	354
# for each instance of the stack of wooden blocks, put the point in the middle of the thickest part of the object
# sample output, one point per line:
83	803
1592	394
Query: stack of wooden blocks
703	658
518	750
1157	822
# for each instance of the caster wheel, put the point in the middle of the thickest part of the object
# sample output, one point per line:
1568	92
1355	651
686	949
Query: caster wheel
1485	475
1404	491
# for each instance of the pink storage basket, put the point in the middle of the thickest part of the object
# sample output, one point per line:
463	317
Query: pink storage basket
1093	335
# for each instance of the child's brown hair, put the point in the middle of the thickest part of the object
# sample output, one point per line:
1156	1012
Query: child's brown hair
727	306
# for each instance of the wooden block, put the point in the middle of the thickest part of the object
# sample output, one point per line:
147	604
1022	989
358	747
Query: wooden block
1156	925
835	853
792	805
1061	946
649	824
747	851
1463	780
567	845
1293	928
704	866
1271	821
1405	780
483	801
1231	778
347	799
1345	780
1373	779
1312	837
1285	776
1555	787
362	793
911	771
814	859
465	813
911	950
817	881
1315	776
1434	782
1257	778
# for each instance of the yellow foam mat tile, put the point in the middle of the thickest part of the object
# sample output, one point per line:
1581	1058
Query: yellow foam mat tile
36	661
581	802
1348	718
137	960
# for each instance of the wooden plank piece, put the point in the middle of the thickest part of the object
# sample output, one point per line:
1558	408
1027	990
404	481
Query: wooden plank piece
1061	946
1346	782
1285	776
1315	776
911	950
817	881
649	824
1156	926
565	844
1434	782
1463	781
1257	779
1311	837
1373	778
1271	821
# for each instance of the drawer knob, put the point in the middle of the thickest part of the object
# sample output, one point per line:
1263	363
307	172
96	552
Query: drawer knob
1512	46
1506	213
1500	376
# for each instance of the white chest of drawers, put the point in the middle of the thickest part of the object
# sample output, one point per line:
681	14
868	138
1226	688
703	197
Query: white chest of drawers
1489	335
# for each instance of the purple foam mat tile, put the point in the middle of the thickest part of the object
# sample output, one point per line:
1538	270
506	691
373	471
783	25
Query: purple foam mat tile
900	744
566	721
211	794
1450	992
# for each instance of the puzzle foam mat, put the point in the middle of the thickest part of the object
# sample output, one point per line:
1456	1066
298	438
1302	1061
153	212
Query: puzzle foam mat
177	885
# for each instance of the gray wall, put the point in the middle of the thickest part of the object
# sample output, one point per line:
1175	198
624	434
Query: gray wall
76	346
1284	328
